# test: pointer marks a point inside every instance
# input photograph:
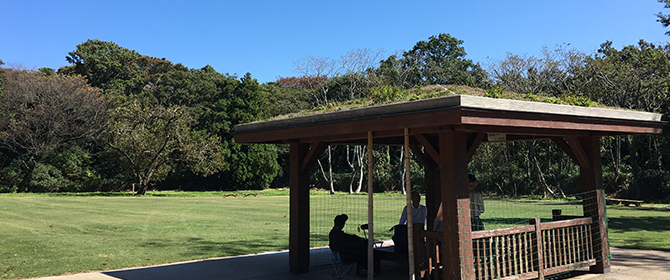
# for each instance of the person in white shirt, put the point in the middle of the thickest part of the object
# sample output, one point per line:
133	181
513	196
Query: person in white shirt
418	211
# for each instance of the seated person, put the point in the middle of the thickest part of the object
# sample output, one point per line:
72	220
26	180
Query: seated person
352	248
418	211
418	217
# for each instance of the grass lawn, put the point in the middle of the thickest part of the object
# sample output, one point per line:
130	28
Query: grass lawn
45	235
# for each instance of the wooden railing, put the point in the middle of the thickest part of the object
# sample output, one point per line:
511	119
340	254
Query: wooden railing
520	252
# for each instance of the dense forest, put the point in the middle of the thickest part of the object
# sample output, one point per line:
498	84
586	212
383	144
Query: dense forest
114	119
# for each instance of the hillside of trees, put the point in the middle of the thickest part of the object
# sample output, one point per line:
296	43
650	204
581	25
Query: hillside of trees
114	119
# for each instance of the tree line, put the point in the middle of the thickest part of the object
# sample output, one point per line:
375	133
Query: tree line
114	119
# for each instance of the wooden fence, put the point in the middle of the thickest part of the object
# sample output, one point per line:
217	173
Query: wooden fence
520	252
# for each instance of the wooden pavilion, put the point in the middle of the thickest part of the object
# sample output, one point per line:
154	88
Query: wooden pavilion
450	129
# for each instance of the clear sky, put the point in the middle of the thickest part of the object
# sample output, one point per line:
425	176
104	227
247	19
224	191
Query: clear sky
266	37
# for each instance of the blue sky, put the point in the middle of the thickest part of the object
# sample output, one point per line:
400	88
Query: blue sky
266	37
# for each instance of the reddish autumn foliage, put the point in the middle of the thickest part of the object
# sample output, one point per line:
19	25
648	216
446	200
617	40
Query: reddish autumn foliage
304	82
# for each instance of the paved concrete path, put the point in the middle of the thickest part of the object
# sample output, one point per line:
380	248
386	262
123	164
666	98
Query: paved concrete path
626	264
630	264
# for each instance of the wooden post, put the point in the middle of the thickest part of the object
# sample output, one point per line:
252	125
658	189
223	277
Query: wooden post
299	212
539	246
371	231
594	202
410	219
457	256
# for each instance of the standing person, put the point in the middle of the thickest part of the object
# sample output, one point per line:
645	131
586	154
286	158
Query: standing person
476	204
476	208
352	248
418	211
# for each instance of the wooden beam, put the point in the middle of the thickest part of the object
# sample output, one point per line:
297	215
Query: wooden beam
578	150
430	149
473	143
560	142
528	131
313	155
420	155
558	124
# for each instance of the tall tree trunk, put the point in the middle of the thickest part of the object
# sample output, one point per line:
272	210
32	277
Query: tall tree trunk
352	165
329	177
356	165
360	167
542	181
143	187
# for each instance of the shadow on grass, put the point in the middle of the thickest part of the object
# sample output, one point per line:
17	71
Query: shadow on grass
655	228
197	248
639	223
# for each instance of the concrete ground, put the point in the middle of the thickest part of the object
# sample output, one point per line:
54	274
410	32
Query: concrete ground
626	264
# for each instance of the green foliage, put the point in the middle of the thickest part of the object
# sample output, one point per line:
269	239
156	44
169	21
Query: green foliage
149	136
285	100
531	97
548	75
524	168
10	176
440	60
48	178
251	166
496	91
634	77
384	94
105	65
39	114
572	99
664	19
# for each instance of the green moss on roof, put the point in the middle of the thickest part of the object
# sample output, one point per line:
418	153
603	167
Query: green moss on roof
392	94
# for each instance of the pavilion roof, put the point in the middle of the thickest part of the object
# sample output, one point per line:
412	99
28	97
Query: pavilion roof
517	120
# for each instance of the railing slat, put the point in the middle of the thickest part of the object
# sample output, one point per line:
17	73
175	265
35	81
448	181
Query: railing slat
575	244
579	242
527	252
566	246
498	257
479	256
491	258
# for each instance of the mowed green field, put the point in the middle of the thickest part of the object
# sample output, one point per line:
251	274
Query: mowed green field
46	235
42	235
